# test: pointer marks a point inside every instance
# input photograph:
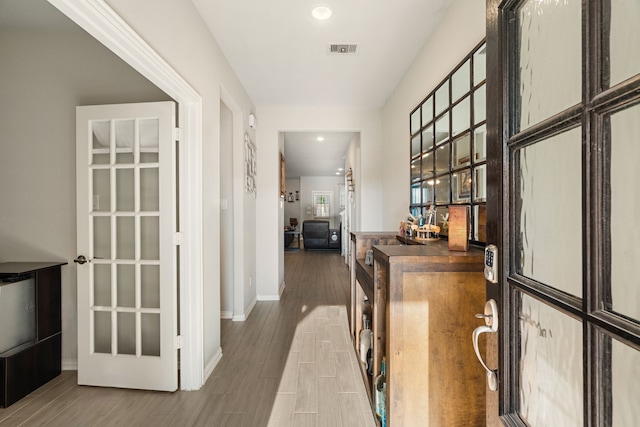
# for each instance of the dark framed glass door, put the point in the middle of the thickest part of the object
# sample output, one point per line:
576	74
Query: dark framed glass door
563	119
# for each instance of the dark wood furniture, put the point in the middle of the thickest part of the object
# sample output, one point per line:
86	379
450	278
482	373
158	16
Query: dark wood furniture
32	364
289	236
316	234
431	296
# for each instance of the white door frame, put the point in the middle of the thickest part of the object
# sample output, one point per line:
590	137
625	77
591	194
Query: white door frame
238	202
99	20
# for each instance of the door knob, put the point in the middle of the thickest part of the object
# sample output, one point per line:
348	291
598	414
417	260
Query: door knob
490	317
81	259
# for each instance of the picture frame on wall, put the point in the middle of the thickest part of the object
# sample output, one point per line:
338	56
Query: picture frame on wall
250	166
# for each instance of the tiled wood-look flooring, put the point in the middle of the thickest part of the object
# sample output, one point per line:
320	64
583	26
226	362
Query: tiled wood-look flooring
290	364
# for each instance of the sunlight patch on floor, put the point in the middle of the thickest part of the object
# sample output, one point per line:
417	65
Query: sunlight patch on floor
321	384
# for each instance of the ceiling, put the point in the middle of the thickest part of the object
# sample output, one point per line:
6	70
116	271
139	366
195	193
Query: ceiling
280	52
281	55
306	156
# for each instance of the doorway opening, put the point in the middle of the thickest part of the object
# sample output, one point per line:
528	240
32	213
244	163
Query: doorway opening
320	162
226	213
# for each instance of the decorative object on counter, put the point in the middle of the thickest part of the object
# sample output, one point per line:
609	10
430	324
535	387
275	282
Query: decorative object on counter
368	259
445	222
458	228
290	198
428	232
421	228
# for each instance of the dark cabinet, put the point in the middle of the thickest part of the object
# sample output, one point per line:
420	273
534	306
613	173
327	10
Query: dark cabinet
28	365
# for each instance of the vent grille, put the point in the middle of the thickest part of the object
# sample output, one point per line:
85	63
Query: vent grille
343	49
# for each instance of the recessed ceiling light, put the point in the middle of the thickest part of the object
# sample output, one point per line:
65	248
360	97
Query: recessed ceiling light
340	169
320	138
321	12
337	173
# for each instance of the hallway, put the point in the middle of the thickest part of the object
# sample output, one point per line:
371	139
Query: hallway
290	364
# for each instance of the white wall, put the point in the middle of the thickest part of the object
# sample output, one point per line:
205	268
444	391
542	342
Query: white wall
181	38
462	27
275	120
44	76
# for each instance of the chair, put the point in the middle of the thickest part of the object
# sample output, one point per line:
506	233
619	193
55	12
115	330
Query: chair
293	222
316	234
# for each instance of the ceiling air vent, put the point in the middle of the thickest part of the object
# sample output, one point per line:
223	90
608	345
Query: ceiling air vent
343	49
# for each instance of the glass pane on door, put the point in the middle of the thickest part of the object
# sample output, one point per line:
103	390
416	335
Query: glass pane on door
126	333
101	284
623	58
125	237
548	224
149	140
125	190
625	208
125	139
551	378
550	52
150	334
625	386
101	190
102	332
150	286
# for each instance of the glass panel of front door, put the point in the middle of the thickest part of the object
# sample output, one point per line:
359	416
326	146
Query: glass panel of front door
550	46
625	209
625	386
125	232
623	36
549	238
551	376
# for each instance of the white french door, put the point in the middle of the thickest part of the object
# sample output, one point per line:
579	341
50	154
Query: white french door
126	223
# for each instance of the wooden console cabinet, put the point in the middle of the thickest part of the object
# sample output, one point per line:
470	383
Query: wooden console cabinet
432	296
423	300
28	366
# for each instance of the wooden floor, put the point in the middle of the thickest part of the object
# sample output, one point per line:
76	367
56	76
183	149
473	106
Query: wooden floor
290	364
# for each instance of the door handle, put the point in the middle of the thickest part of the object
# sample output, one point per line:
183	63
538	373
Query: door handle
490	317
81	259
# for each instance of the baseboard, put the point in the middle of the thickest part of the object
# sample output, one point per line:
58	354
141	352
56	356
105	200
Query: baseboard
226	314
208	370
273	297
70	364
247	312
